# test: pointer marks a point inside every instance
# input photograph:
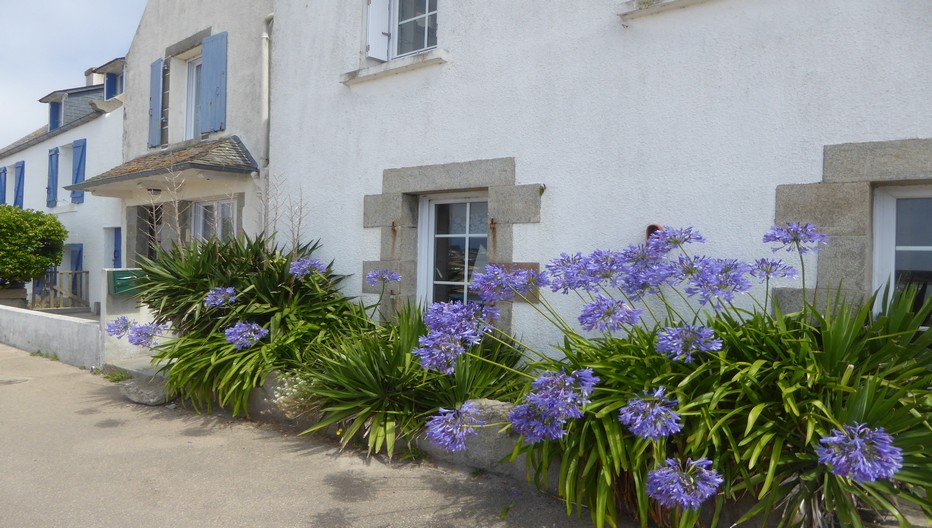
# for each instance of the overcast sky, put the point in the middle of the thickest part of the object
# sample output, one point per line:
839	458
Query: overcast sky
47	46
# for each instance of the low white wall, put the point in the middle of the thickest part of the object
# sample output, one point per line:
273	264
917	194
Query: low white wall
74	341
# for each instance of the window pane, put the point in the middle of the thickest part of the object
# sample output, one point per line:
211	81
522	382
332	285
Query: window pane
207	222
912	261
448	292
432	6
227	225
410	9
914	222
478	218
451	219
196	116
450	259
432	31
478	255
411	36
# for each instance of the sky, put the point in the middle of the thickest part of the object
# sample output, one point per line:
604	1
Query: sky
47	46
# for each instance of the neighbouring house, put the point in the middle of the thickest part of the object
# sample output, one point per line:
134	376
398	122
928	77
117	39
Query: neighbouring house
82	137
432	137
193	127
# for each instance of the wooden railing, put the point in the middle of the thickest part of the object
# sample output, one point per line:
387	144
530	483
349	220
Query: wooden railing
61	289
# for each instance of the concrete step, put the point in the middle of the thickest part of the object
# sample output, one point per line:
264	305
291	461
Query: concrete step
147	385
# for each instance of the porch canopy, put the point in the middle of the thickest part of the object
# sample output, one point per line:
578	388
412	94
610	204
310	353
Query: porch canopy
224	159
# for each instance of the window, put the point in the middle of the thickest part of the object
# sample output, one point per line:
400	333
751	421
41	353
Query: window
453	245
216	219
56	117
397	28
192	124
113	84
902	237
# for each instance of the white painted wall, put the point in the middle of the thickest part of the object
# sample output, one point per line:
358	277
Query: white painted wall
688	117
86	222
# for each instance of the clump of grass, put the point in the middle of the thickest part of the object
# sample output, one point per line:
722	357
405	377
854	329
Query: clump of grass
52	356
116	376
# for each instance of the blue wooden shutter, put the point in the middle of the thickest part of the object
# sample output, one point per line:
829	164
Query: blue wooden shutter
110	86
51	197
2	185
118	247
155	104
19	174
212	104
79	149
378	29
54	116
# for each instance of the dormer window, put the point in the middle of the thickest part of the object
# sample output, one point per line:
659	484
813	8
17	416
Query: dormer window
56	116
112	73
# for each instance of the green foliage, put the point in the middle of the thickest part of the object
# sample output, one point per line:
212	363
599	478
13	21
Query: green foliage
757	409
30	243
370	383
200	363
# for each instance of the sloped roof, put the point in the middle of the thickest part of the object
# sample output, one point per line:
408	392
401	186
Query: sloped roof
221	155
57	94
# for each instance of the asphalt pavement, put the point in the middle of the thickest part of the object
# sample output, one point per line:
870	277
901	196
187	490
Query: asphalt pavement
75	453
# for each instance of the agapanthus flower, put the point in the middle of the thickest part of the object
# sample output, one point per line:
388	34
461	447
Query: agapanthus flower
554	398
607	315
503	283
144	334
219	297
772	268
382	276
119	327
651	415
453	328
604	266
646	271
860	453
681	342
796	237
568	273
666	239
685	485
536	424
719	281
245	335
303	267
450	427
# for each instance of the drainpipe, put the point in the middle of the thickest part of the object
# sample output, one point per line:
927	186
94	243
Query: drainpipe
266	103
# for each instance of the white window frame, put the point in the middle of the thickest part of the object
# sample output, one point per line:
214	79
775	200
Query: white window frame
192	83
385	13
426	247
197	219
885	248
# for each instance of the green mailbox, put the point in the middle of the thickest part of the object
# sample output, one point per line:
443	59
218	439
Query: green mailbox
123	281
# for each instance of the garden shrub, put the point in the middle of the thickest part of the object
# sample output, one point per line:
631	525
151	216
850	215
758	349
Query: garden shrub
30	243
820	415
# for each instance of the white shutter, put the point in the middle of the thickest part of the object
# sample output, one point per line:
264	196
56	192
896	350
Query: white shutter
378	29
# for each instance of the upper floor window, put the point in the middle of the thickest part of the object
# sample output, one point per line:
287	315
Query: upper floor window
397	28
56	115
192	124
113	84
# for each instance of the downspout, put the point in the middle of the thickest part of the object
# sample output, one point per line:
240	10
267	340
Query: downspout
265	111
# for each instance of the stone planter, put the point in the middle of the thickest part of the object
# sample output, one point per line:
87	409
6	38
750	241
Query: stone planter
13	296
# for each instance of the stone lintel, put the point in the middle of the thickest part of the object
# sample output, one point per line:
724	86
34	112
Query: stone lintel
479	174
902	160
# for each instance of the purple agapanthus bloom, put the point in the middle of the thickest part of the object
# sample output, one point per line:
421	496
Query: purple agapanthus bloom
652	415
772	268
604	266
119	327
563	394
144	334
219	297
668	238
382	276
303	267
681	342
568	273
245	335
607	315
646	271
860	453
503	283
796	237
719	281
685	486
536	424
449	428
454	327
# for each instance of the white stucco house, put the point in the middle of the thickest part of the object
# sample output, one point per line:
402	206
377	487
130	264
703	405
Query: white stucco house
194	146
82	137
422	132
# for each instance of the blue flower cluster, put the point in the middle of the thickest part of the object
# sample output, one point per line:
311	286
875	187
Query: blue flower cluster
773	268
245	335
449	428
679	343
607	315
382	276
796	237
453	328
504	283
303	267
860	453
555	397
137	334
219	297
685	485
651	416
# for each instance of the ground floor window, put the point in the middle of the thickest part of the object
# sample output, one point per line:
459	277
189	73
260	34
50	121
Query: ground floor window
903	237
452	246
215	219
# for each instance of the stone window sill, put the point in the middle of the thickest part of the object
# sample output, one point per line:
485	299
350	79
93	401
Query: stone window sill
394	67
641	8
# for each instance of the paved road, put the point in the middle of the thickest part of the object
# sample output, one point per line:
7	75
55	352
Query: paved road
74	453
